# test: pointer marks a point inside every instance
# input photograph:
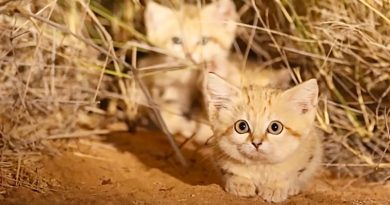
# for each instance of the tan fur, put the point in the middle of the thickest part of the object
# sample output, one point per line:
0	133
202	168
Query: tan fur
175	91
190	24
281	164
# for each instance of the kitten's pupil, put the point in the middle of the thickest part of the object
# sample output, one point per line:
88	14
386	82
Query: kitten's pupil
274	127
176	40
242	126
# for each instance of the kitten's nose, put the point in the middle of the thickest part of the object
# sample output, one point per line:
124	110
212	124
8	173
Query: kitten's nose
190	57
257	144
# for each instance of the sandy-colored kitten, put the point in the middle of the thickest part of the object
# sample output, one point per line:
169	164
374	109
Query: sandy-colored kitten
266	143
199	34
189	33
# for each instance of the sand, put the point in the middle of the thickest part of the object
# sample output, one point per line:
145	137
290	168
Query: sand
125	168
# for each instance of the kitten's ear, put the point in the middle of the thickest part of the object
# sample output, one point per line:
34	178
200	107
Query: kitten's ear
219	92
303	97
155	15
222	11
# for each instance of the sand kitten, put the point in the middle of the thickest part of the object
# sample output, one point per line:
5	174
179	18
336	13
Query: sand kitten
189	33
196	33
266	143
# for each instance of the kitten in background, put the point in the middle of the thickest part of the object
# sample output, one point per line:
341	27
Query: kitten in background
199	34
187	34
265	140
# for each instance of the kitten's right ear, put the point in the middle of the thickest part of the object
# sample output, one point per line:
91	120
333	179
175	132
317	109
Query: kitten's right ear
303	97
155	15
219	92
222	11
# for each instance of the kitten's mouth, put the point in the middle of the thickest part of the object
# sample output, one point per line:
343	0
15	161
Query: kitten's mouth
257	155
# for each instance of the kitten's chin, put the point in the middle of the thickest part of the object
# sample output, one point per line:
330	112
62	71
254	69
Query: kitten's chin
259	156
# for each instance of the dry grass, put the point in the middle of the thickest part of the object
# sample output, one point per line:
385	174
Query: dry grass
49	79
58	61
344	44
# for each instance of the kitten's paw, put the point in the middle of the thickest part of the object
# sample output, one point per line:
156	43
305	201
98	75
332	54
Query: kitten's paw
274	195
240	186
294	191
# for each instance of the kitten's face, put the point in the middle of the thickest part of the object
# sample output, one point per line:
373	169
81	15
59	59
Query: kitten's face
254	124
199	34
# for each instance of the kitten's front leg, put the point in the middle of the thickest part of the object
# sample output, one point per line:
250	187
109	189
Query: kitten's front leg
240	186
175	103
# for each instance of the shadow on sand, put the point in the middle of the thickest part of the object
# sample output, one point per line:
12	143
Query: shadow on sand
152	148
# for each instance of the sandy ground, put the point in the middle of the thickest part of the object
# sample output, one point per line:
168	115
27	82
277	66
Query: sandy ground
128	168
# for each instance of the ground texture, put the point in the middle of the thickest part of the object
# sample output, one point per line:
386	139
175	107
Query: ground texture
125	168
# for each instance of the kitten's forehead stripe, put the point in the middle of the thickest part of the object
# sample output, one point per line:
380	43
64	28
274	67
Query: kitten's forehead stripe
257	96
258	101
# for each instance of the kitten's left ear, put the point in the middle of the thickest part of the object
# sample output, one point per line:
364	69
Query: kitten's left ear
304	96
222	11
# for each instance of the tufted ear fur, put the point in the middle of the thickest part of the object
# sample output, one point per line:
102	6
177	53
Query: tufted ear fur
303	97
219	93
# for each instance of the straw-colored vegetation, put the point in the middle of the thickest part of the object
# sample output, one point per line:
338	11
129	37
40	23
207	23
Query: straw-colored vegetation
61	60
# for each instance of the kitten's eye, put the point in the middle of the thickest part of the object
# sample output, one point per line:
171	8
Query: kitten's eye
241	127
176	40
275	127
204	40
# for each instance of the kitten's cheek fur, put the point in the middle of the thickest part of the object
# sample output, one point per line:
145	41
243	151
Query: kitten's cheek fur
177	51
282	150
230	149
238	138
